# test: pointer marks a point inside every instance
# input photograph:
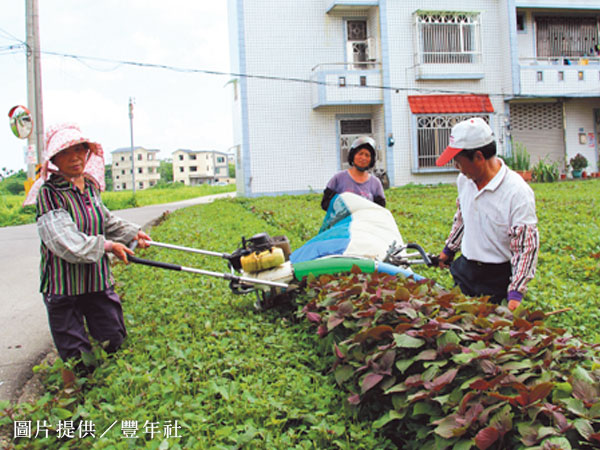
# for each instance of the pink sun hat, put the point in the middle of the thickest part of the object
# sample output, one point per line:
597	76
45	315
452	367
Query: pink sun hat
61	137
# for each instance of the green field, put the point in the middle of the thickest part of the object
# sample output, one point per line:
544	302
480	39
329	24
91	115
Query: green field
236	378
13	213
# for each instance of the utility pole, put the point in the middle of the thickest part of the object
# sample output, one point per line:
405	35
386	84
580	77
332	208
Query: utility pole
131	133
34	87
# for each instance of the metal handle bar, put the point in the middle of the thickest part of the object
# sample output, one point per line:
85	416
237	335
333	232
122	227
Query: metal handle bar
226	276
418	248
189	249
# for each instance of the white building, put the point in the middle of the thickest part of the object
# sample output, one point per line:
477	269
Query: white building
320	72
555	108
145	165
193	167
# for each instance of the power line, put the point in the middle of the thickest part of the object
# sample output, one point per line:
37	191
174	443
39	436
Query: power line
11	36
83	58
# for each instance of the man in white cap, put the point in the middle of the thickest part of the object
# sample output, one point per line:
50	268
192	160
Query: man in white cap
495	225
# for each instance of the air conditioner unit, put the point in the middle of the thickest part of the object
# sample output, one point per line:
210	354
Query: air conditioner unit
371	49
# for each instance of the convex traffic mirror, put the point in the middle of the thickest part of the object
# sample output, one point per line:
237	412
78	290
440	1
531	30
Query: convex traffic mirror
21	122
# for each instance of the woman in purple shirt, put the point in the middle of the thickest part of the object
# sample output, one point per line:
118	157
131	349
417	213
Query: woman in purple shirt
357	179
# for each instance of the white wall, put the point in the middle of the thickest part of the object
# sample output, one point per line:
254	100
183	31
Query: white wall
293	148
494	37
579	115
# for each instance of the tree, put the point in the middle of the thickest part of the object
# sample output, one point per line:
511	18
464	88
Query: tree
108	177
231	170
166	170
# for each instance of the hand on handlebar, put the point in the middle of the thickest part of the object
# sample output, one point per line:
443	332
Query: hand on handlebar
444	260
121	251
142	239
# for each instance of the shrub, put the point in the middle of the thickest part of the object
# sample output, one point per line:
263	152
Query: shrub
436	369
519	159
545	172
15	187
578	162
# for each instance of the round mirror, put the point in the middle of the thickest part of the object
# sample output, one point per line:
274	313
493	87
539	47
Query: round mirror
21	122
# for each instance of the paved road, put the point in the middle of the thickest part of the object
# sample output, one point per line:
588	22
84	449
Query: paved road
24	334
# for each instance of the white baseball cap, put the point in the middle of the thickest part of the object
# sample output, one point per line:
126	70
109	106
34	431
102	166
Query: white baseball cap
466	135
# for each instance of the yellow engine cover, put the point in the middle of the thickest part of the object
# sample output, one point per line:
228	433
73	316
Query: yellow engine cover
255	262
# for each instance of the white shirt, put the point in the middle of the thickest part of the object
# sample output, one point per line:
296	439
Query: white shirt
489	214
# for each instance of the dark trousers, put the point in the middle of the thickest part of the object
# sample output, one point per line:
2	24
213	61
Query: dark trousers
69	314
476	279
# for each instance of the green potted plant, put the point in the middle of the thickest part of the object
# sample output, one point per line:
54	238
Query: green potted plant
577	164
545	172
519	160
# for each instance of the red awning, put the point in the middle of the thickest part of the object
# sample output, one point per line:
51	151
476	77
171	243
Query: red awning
429	104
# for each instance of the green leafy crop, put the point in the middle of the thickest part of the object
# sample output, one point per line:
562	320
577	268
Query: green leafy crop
436	369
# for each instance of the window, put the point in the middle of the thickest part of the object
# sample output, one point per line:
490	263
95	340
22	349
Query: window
122	172
520	22
117	177
141	185
180	157
150	156
193	169
122	158
181	169
558	36
447	38
220	159
124	185
357	43
193	157
433	135
140	156
140	170
116	164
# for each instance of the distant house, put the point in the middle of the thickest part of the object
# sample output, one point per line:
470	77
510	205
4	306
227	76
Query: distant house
145	165
193	167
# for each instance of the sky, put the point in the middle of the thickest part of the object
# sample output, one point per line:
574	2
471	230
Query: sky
172	109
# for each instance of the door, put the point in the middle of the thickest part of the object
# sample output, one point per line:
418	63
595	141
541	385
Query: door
350	129
539	127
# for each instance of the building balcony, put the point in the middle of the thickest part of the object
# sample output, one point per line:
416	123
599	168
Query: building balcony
347	84
448	66
344	6
560	77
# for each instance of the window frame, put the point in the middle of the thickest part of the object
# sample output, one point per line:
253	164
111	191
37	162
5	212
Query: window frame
460	20
450	119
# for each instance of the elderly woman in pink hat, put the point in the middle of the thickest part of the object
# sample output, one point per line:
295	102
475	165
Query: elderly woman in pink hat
77	233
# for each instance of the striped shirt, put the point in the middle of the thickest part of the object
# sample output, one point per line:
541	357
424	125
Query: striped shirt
497	224
73	227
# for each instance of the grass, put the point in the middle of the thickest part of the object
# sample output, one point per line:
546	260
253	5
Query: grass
235	378
13	213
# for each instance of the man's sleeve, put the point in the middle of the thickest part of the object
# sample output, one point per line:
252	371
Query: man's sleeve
456	233
524	246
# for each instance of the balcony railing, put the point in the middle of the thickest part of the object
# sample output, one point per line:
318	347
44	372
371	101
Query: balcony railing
357	83
448	65
565	77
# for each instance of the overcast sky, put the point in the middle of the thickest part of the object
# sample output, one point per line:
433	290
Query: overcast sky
172	109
